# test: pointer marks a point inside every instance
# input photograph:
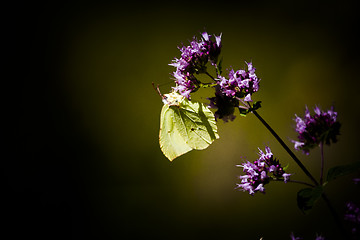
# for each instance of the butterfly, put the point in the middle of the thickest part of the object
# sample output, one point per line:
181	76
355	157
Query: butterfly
185	125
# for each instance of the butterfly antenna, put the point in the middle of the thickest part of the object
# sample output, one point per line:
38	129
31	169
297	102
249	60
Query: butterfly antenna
157	89
166	83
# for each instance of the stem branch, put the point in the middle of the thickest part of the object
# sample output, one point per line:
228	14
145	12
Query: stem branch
331	208
322	162
210	76
335	216
295	181
286	148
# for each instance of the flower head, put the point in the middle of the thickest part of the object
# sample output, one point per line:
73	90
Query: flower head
292	236
318	237
261	172
352	216
193	60
241	83
321	127
224	105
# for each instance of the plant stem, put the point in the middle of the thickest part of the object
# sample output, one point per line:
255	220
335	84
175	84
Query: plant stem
322	162
216	69
335	216
295	181
331	208
292	155
210	76
301	182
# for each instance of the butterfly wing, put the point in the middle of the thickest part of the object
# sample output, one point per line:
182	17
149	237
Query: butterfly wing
196	124
172	143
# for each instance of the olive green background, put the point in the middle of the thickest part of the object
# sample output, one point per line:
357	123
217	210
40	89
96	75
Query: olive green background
86	161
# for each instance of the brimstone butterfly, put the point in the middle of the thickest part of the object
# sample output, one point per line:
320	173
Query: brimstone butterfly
185	125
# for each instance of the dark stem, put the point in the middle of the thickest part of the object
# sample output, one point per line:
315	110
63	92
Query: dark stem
295	181
292	155
331	208
301	182
322	162
210	76
216	69
335	216
246	104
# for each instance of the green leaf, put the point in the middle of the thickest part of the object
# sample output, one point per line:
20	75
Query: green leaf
286	167
307	197
206	85
243	111
185	125
256	106
220	65
339	171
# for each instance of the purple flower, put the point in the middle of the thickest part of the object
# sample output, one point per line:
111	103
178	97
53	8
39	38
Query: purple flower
193	60
322	127
318	237
225	106
261	172
356	180
352	215
228	92
241	84
185	84
286	177
293	237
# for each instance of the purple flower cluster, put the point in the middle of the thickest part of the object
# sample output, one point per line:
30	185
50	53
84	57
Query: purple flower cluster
240	83
322	127
319	237
193	60
352	215
224	105
259	173
237	87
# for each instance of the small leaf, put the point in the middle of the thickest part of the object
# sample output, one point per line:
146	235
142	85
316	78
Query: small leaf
256	106
220	66
307	197
286	167
339	171
243	111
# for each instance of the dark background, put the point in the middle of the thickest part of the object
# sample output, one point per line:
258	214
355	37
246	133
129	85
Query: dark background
82	158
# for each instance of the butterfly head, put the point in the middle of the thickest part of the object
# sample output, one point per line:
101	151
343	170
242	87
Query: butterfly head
173	99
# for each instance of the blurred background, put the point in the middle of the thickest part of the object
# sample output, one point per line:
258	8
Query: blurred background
85	160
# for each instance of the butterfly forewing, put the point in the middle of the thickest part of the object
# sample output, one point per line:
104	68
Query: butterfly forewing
196	124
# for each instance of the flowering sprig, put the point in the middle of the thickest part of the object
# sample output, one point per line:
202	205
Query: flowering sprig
261	172
233	91
321	127
352	216
318	237
193	60
241	83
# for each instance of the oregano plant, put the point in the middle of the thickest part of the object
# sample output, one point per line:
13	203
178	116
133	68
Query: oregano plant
186	124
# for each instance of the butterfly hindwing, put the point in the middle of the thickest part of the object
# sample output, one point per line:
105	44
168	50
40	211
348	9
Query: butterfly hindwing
172	143
196	123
